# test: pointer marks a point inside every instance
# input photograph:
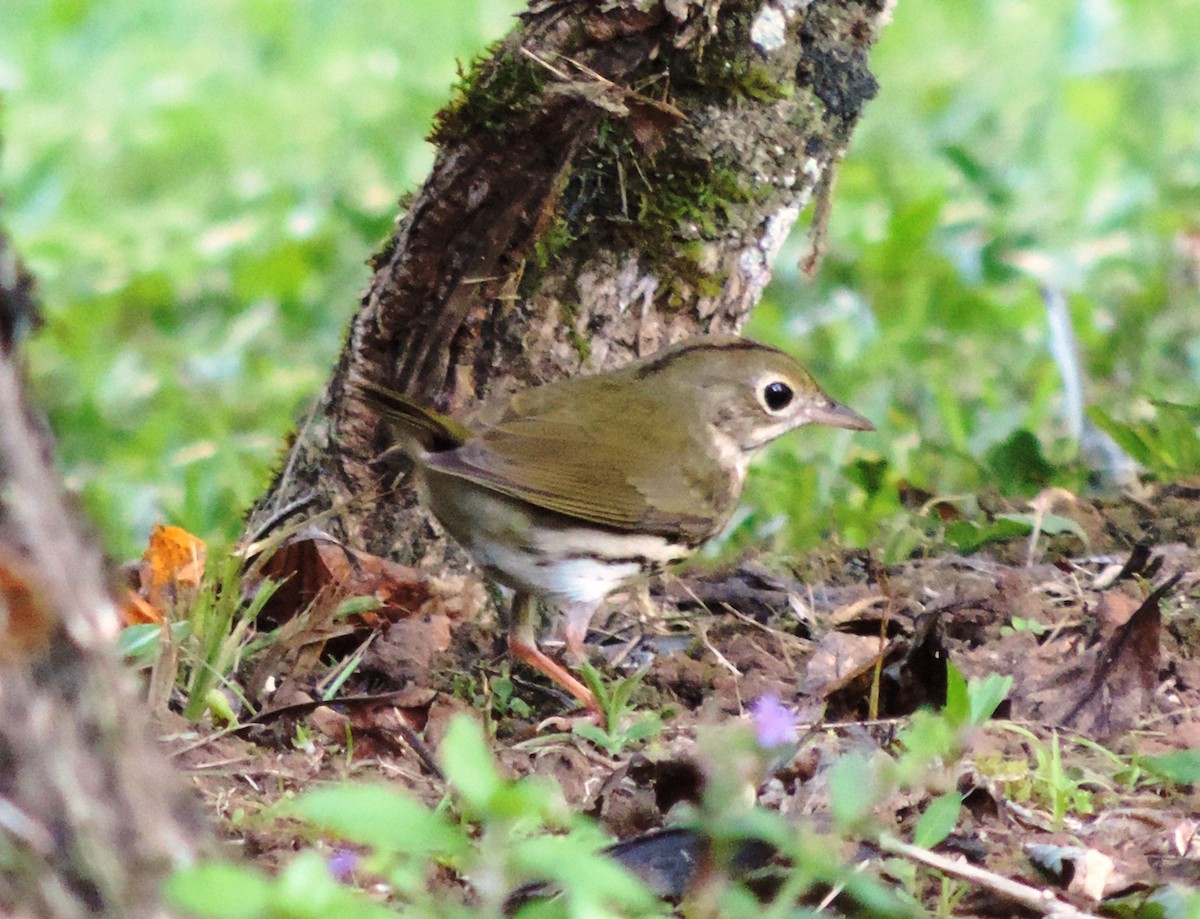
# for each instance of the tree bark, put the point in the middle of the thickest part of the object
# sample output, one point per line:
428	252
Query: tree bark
91	817
613	177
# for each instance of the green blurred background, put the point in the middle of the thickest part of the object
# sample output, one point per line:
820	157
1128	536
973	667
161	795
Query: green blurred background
197	187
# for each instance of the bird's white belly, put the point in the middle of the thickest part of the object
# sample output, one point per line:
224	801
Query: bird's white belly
581	580
556	561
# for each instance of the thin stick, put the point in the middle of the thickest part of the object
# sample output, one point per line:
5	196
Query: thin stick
1035	898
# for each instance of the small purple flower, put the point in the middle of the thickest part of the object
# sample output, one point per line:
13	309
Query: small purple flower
342	864
774	723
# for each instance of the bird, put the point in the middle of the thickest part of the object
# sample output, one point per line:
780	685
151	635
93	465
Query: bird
575	488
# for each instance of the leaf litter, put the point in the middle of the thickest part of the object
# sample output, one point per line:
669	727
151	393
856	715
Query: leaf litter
1102	642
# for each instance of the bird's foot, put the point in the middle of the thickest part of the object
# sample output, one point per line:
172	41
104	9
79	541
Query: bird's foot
530	654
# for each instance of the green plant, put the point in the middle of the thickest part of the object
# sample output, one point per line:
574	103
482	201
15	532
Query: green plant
1181	767
950	894
621	728
201	642
494	696
928	744
1051	783
505	702
303	739
725	815
494	834
1021	624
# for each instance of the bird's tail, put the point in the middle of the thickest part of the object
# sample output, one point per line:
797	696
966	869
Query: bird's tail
422	429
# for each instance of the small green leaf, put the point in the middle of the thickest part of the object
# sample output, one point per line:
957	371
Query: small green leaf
1171	902
1168	444
139	642
352	605
958	704
468	764
645	727
986	696
1032	626
967	536
1181	767
868	474
1128	437
382	817
595	683
587	877
1018	463
219	707
938	821
306	889
530	798
220	891
851	789
596	735
1051	524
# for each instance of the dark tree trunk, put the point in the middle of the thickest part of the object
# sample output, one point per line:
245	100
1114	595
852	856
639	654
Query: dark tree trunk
91	817
612	178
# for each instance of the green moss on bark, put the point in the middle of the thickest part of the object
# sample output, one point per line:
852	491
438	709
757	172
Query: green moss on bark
499	86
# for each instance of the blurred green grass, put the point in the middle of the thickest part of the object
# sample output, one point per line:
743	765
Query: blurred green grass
197	187
1012	146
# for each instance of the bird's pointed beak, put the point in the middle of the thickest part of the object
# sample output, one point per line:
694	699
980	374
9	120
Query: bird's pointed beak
837	415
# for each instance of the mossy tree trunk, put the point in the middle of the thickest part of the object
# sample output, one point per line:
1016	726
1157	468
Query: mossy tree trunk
613	177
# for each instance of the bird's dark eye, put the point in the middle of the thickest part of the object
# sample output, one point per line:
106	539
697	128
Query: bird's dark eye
777	395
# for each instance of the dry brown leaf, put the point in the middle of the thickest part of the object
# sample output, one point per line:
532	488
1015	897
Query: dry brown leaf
1186	838
837	660
407	648
1113	610
1093	871
316	568
1125	674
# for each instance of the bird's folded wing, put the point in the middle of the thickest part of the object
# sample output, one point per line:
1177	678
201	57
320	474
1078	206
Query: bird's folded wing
652	486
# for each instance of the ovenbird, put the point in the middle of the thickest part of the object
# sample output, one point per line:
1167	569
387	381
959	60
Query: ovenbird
582	486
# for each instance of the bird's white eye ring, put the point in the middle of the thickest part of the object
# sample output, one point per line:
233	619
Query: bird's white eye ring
777	396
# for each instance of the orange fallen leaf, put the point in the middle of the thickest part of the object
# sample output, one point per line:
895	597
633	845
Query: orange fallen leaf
174	558
135	610
170	570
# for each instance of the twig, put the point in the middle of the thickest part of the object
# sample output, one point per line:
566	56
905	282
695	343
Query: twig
1035	898
837	889
779	636
712	649
538	59
702	634
280	515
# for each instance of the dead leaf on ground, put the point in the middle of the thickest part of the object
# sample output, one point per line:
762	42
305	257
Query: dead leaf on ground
315	568
168	575
1085	871
407	648
1125	674
838	659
